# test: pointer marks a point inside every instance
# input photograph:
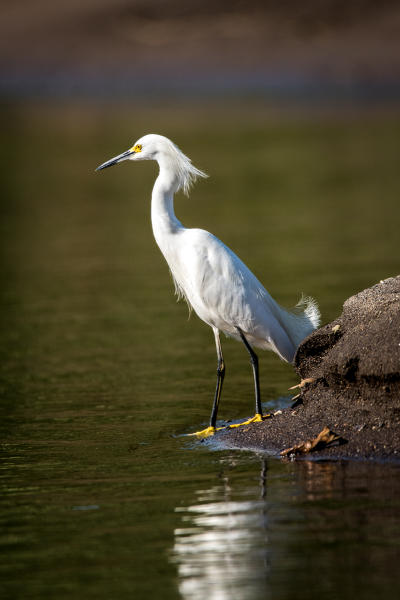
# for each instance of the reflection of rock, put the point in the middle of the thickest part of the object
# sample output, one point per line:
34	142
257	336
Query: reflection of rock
221	548
353	368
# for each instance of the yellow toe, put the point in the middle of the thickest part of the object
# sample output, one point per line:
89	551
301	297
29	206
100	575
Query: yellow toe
256	419
204	432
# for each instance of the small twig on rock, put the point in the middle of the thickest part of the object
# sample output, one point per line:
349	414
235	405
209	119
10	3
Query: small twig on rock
323	439
302	383
297	400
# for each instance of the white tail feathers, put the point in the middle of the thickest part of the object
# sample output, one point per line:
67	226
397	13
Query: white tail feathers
302	321
310	310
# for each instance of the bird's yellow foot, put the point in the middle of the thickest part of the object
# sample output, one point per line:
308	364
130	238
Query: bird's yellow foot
256	419
208	431
205	432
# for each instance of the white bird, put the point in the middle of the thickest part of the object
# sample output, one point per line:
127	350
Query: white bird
214	281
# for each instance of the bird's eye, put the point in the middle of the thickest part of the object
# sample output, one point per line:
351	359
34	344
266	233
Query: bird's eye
137	148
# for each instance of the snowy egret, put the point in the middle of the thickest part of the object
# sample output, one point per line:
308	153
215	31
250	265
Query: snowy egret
214	281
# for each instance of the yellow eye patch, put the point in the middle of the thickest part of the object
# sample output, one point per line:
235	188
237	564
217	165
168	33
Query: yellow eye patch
137	148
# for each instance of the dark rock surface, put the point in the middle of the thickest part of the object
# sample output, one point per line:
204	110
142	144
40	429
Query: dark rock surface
354	365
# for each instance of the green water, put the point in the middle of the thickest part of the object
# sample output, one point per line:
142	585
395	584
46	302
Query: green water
102	371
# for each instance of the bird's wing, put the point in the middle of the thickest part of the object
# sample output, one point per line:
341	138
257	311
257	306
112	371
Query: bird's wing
226	294
212	275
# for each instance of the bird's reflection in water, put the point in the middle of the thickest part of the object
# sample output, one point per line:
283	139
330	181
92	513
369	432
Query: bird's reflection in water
221	550
243	540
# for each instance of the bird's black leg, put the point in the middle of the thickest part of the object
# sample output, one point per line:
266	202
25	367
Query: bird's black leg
220	379
254	364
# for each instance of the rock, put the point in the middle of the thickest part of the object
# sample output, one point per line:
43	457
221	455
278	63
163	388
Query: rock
352	372
359	353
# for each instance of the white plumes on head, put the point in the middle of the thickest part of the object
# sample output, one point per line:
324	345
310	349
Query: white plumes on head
183	168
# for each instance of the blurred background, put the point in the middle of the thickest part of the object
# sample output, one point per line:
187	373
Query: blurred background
134	48
293	109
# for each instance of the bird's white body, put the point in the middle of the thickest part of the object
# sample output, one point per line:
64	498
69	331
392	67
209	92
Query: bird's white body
215	282
223	292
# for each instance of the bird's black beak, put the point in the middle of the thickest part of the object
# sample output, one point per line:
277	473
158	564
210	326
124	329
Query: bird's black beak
115	160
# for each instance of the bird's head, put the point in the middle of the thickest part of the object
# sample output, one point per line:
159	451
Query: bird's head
165	152
148	147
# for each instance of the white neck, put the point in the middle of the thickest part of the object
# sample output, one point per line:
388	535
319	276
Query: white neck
163	217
